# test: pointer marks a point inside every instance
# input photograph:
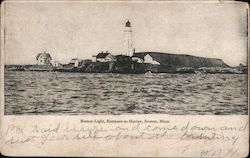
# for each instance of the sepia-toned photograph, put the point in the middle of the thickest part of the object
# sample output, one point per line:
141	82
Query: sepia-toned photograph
117	58
117	78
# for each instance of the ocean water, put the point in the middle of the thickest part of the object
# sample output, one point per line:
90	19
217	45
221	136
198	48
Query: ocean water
59	93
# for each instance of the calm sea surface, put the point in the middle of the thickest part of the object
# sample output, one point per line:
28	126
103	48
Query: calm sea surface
82	93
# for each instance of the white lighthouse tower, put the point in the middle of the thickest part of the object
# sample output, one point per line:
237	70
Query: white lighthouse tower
128	40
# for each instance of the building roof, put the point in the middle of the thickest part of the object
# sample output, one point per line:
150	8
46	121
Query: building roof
123	57
45	55
102	55
128	24
73	60
182	60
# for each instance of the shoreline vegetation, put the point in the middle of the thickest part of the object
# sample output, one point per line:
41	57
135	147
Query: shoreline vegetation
138	63
132	68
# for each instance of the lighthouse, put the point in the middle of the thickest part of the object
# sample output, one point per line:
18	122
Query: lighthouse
128	39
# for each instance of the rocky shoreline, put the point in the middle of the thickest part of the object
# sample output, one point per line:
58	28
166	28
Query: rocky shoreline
130	68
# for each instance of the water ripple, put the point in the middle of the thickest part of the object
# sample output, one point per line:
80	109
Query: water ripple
52	93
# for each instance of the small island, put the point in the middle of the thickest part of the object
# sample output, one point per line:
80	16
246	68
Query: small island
132	62
138	63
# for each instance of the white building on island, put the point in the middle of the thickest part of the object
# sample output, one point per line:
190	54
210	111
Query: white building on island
144	58
43	58
75	62
149	59
104	57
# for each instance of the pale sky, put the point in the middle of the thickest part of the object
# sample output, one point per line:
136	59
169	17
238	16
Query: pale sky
77	29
